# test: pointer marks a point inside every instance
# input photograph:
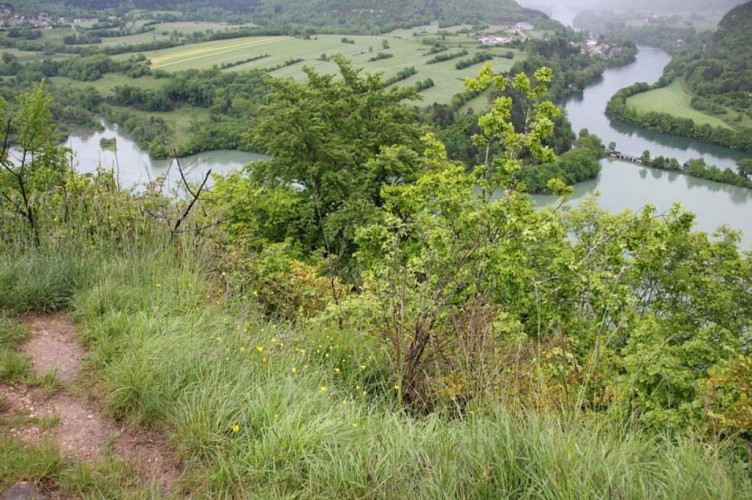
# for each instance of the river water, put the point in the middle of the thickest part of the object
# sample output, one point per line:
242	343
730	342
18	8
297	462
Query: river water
133	167
625	186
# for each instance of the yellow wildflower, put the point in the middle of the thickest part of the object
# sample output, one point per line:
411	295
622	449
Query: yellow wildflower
235	428
323	388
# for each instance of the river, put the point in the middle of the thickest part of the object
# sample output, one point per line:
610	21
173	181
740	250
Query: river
622	185
133	167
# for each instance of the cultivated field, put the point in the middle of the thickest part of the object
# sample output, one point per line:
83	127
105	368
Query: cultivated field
407	47
406	51
164	31
673	99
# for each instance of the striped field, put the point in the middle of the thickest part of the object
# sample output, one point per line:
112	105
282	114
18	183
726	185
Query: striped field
316	52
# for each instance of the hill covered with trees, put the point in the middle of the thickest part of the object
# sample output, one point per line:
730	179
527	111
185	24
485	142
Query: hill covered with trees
718	69
330	12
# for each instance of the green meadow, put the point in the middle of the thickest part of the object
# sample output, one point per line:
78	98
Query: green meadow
164	31
673	99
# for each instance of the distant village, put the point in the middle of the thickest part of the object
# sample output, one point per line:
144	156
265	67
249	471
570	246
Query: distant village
591	45
11	20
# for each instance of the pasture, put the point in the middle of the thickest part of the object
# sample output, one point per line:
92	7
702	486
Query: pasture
673	99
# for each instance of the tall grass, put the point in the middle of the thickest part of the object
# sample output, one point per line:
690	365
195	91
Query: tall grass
44	465
265	409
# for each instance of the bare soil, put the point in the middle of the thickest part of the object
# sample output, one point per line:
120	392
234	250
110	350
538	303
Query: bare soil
78	425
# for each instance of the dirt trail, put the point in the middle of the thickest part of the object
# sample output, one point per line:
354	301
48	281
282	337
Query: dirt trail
82	430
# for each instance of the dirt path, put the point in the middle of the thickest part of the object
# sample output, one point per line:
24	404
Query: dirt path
83	432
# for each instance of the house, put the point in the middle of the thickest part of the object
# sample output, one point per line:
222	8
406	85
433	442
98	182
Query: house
523	26
493	40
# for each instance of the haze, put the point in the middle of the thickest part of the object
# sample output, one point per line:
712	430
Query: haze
663	6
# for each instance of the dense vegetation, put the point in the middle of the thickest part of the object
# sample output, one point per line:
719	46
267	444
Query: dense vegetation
698	168
573	67
335	322
668	36
356	16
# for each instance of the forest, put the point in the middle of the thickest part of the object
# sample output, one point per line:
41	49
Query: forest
356	16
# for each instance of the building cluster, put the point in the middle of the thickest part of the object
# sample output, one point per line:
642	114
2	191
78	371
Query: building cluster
10	20
510	33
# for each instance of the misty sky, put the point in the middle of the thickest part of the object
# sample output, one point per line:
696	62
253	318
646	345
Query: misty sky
632	5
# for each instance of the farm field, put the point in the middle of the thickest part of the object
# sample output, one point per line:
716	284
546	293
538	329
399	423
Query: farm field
673	99
27	56
316	52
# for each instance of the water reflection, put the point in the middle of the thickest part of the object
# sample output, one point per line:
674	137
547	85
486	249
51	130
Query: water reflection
133	167
624	186
587	110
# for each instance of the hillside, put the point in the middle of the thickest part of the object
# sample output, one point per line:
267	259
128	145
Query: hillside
361	317
719	69
331	12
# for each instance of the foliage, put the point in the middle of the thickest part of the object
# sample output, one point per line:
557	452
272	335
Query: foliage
426	263
717	69
573	67
25	175
573	166
402	74
446	57
479	57
657	33
321	135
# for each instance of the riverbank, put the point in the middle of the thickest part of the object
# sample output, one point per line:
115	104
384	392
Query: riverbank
622	186
619	108
626	186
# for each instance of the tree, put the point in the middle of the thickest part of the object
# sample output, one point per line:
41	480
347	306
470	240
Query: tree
36	163
438	260
322	182
744	167
645	158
